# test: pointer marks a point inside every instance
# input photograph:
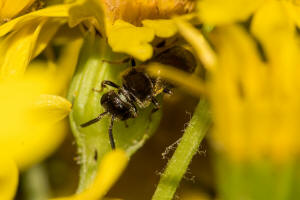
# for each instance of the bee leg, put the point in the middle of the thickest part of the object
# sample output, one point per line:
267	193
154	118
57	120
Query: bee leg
110	134
156	108
93	120
168	91
104	84
126	124
122	61
156	105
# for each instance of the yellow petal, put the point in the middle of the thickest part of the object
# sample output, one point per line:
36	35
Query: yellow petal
251	122
51	108
273	26
271	19
60	11
293	9
87	10
8	177
20	47
46	34
198	42
239	76
111	167
59	73
66	64
33	147
162	27
25	135
127	38
218	12
9	9
17	50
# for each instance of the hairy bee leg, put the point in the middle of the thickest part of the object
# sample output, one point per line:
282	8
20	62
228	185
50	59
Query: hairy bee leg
93	120
110	134
104	84
109	83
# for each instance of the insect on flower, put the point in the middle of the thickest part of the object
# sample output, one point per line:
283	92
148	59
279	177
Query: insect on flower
139	88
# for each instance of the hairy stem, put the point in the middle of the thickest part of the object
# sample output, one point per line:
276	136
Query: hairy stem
184	153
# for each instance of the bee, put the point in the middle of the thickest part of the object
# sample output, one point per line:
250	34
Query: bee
139	89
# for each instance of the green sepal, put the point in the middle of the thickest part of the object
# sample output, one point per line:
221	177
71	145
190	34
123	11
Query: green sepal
90	72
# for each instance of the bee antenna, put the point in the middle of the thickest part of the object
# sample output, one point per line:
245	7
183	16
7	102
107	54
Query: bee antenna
93	120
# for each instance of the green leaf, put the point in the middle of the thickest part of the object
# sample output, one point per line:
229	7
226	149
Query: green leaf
184	153
90	72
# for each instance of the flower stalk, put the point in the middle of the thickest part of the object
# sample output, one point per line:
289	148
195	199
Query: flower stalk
187	148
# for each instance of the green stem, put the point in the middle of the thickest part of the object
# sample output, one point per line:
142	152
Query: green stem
184	153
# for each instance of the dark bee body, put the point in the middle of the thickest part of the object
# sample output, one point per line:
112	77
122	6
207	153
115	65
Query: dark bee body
120	107
139	85
140	89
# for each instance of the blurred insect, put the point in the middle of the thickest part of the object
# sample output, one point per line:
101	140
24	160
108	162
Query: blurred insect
139	88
